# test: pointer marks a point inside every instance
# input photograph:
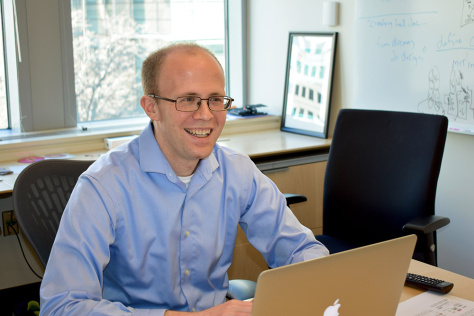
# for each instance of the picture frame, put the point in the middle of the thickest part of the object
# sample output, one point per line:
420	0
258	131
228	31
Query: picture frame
308	83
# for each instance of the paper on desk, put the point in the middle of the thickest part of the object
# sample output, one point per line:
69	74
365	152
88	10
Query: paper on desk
431	303
17	169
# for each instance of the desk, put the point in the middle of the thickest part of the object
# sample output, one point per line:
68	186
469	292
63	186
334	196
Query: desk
263	147
463	286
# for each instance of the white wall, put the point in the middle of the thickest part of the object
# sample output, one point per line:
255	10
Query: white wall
455	199
269	23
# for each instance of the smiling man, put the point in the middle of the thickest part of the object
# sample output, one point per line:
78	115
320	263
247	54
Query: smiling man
187	131
150	227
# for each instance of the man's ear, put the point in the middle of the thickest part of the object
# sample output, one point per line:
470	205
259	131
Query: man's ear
148	105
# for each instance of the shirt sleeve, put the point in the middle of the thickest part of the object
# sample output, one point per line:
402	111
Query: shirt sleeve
273	229
73	280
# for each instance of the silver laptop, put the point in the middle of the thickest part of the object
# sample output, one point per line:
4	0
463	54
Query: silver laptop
364	281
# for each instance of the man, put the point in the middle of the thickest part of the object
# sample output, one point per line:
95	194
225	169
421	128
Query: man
150	228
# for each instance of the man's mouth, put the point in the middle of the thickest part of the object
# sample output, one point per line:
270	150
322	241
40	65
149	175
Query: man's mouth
199	132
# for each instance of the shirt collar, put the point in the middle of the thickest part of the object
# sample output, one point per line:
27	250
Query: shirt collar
152	158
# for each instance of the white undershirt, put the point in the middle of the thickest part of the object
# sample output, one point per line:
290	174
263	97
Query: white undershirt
186	180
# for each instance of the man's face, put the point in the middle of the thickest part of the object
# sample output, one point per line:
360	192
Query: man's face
187	137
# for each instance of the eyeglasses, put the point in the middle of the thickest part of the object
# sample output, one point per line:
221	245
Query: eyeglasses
192	103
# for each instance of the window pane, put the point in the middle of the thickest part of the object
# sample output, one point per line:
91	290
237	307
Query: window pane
3	94
111	38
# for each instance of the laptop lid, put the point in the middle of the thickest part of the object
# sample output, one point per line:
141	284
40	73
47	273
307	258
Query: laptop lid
363	281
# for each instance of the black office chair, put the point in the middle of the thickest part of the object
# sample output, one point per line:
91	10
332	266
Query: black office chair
40	195
381	179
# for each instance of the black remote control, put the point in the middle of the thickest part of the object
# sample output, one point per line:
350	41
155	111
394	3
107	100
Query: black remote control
427	283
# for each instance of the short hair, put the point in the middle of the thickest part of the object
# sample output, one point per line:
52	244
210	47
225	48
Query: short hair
152	65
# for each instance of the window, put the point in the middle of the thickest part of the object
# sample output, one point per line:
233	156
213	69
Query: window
3	93
81	59
301	113
321	72
319	49
112	38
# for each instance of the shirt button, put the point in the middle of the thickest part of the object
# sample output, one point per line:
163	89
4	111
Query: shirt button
186	272
187	233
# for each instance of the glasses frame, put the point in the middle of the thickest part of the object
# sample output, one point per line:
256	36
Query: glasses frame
199	103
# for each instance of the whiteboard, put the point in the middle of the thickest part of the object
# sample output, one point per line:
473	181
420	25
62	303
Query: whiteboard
416	56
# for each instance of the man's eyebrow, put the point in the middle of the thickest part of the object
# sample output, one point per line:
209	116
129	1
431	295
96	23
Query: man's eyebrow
191	94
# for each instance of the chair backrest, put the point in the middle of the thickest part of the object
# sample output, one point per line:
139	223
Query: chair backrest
382	171
40	195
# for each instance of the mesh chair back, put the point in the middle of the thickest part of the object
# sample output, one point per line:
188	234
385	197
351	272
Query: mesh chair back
40	195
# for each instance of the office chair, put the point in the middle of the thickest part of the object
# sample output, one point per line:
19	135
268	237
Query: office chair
40	195
381	178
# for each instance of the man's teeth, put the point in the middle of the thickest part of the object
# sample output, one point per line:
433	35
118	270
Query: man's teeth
199	132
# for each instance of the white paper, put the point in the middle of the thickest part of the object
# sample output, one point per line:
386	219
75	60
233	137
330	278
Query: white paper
431	303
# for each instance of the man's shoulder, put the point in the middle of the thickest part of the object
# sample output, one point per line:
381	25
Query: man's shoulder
228	153
123	157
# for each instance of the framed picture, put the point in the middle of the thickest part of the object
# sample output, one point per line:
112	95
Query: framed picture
308	83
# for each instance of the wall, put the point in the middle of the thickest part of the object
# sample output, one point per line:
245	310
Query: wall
15	270
269	23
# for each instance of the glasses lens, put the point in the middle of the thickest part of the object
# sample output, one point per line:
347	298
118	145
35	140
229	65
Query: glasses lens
219	103
187	104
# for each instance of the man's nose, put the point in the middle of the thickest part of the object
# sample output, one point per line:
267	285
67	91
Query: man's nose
203	113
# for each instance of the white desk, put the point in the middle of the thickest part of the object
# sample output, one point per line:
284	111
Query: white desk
264	145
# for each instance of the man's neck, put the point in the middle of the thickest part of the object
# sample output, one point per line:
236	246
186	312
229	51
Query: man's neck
183	170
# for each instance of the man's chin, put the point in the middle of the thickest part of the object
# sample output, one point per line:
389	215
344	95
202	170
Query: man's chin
203	153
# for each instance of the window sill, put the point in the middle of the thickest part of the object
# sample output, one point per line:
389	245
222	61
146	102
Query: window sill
92	139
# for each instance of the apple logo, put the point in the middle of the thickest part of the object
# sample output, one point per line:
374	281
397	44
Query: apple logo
332	310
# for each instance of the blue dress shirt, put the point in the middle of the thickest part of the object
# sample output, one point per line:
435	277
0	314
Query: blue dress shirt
133	240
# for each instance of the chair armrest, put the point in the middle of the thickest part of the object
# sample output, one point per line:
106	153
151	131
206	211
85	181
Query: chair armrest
426	224
241	289
294	198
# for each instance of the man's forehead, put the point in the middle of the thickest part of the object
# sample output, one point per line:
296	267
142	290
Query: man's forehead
179	55
183	63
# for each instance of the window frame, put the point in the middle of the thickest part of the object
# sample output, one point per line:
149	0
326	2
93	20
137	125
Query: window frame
4	61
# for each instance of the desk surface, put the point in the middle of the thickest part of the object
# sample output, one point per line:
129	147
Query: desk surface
463	286
258	145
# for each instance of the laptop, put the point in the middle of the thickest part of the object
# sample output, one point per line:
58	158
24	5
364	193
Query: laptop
363	281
